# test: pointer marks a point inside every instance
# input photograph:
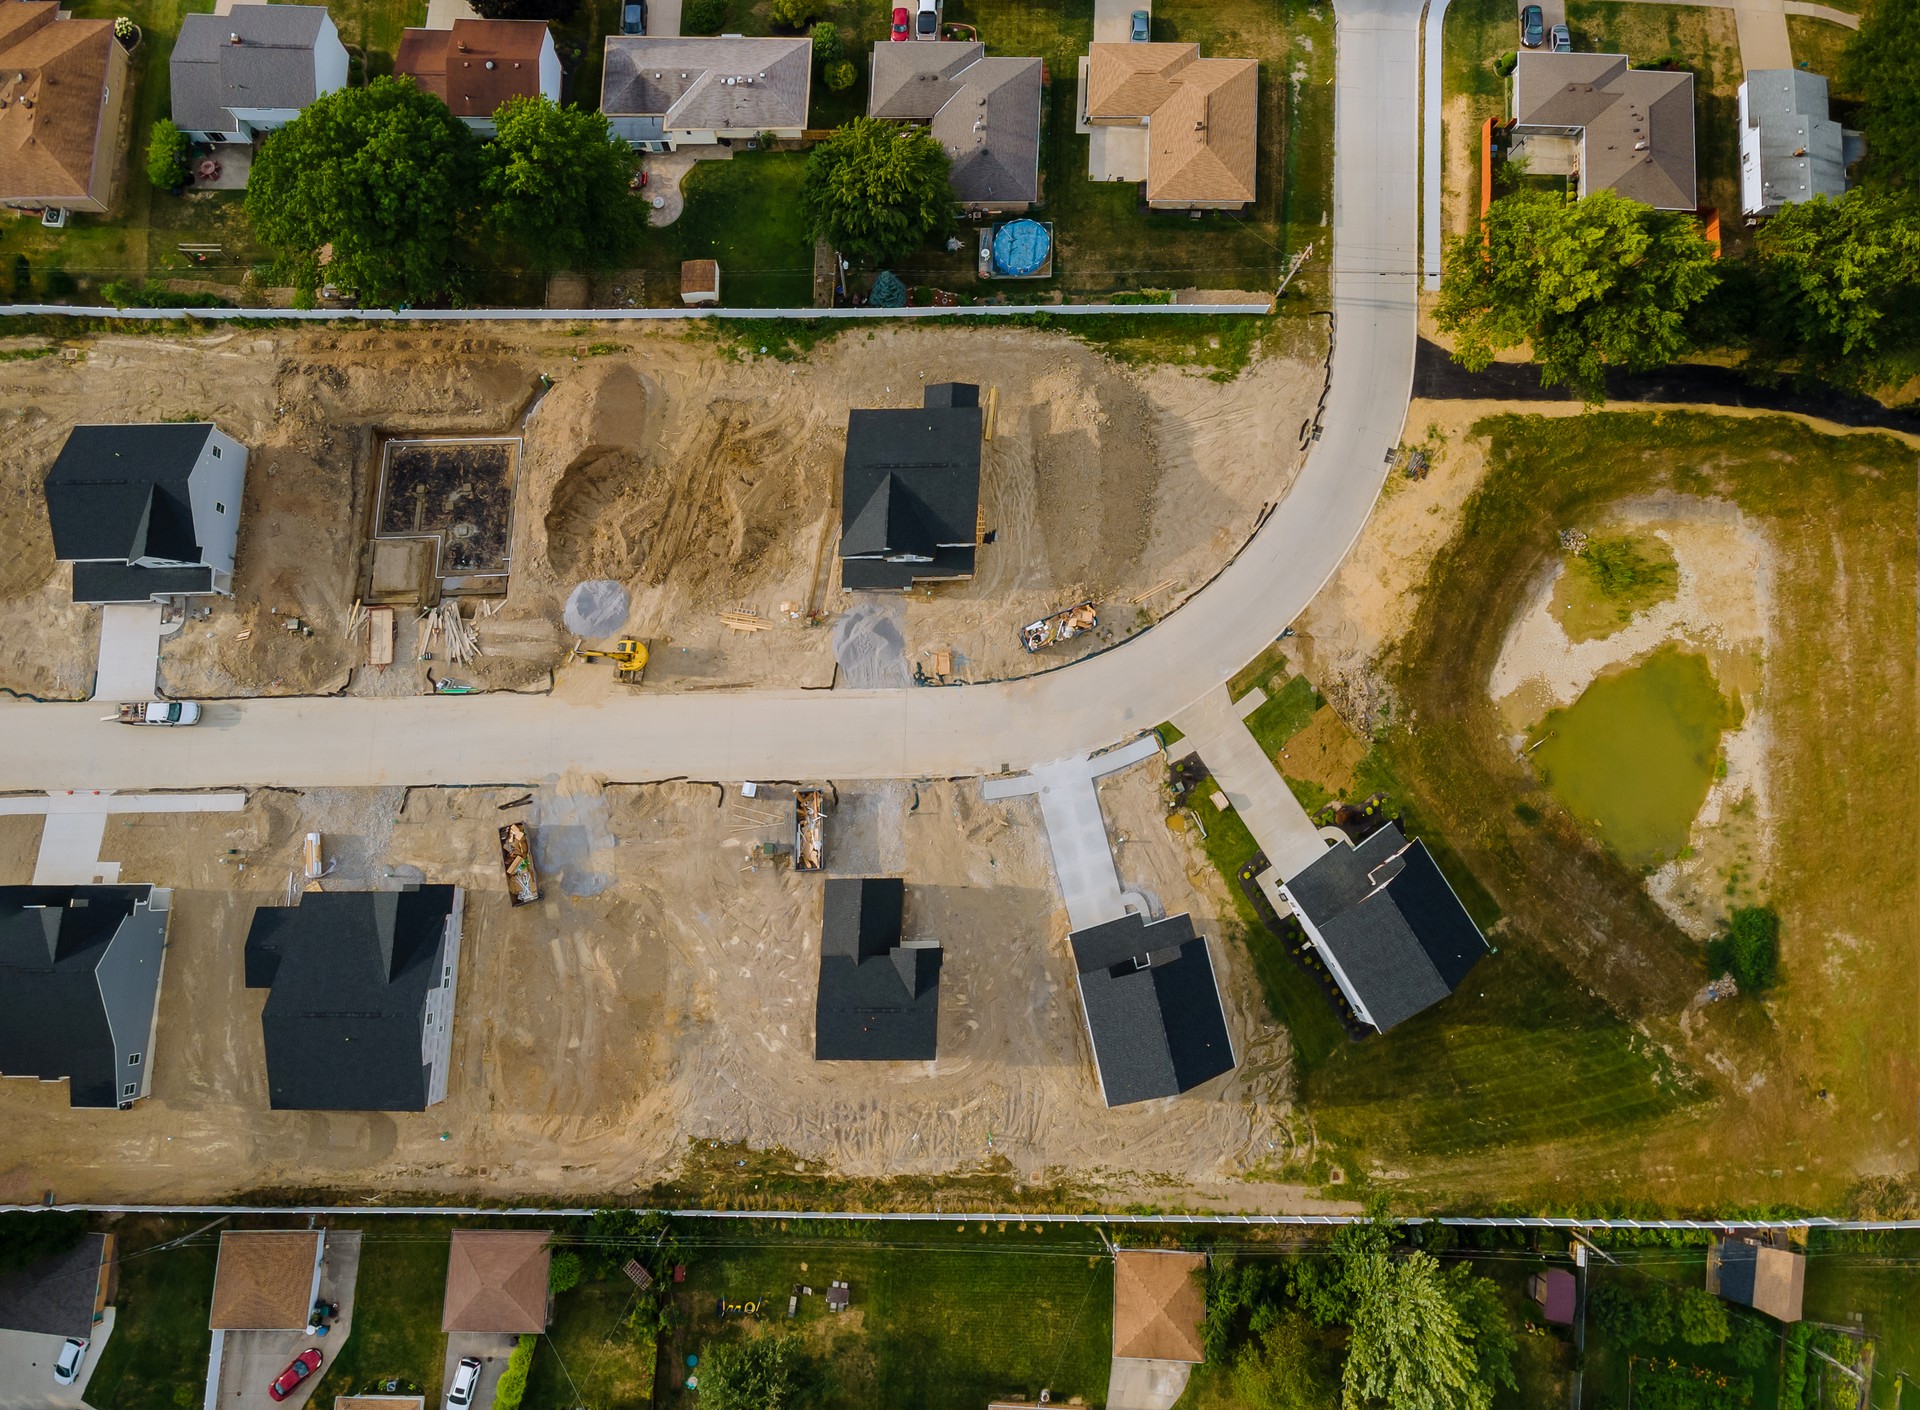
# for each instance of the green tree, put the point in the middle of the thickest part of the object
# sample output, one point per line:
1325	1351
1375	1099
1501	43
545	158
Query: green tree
1409	1347
1880	64
168	150
1488	1327
826	41
555	180
876	189
841	75
1288	1365
1840	288
795	14
763	1373
703	16
563	1273
1749	949
385	175
1593	284
1702	1318
512	1388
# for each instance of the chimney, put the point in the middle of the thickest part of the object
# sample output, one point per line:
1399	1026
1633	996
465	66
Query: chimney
233	38
461	45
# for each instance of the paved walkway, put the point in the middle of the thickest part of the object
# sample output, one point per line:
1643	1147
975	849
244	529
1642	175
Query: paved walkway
1136	1384
129	662
1077	830
76	822
665	171
1215	731
1762	25
26	1369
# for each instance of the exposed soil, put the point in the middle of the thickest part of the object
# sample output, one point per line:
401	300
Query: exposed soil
703	483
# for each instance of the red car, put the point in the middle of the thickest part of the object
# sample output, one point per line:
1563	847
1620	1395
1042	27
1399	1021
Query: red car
902	24
304	1365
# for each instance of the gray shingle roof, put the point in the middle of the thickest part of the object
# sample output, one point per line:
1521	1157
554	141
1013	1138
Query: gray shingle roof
1392	923
55	1296
910	490
878	1000
1802	150
1153	1009
1637	123
750	84
121	491
271	67
984	111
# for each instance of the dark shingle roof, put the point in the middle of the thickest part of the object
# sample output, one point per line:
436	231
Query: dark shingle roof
55	1296
985	112
350	972
911	490
879	1000
54	1023
271	67
1395	928
120	492
1158	1028
116	582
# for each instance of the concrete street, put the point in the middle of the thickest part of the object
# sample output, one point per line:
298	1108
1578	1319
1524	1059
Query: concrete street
907	733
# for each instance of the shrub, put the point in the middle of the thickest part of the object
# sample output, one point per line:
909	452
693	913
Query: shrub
1750	948
703	16
1752	1343
795	14
563	1273
60	284
826	41
167	153
840	75
888	291
1506	63
22	278
1702	1318
513	1380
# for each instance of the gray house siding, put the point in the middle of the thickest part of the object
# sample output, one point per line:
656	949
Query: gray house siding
129	979
214	488
436	1034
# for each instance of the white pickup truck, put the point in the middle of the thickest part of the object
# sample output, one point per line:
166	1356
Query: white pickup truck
158	712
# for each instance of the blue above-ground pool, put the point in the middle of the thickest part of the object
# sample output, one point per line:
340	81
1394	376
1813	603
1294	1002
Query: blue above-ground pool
1021	247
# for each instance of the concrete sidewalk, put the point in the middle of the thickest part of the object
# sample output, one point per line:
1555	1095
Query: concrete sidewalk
1253	786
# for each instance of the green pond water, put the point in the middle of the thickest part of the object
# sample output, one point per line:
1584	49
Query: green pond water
1634	756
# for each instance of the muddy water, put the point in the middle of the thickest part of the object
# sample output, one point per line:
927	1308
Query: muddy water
1634	756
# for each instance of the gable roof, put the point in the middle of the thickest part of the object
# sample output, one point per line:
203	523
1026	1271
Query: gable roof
1153	1008
1202	116
350	972
1800	150
1758	1275
54	1023
1157	1307
1636	125
476	65
56	1296
878	1000
53	80
728	83
984	111
264	1279
121	492
910	489
1395	929
497	1280
273	65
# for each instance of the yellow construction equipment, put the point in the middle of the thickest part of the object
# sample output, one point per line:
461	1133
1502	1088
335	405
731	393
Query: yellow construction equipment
629	654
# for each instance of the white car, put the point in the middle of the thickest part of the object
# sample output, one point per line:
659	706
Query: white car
465	1379
926	22
66	1367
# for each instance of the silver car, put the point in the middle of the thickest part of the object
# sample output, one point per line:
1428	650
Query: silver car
466	1379
1560	40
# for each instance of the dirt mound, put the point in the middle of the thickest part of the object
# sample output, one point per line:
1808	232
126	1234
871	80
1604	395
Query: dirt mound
599	522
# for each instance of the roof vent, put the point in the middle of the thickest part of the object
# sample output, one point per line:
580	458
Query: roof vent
491	66
233	38
461	45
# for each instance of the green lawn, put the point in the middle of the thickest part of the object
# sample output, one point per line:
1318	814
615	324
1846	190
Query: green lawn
590	1356
745	213
1821	45
1284	715
396	1312
942	1316
160	1338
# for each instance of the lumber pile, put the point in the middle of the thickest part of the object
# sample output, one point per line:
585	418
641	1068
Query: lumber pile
744	619
461	642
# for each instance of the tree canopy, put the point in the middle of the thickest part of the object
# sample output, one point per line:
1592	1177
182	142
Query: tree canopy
876	190
1880	64
1839	288
168	149
1592	284
384	175
763	1373
556	182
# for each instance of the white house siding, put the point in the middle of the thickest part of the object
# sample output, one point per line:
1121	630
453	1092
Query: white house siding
549	68
330	60
218	480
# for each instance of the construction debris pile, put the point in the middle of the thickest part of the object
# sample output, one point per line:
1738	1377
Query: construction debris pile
446	623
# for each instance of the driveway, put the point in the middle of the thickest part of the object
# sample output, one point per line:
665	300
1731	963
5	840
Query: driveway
905	733
129	651
663	19
1112	17
26	1369
1136	1384
251	1360
493	1349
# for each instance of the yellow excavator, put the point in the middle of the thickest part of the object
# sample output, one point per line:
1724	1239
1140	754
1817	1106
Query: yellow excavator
629	656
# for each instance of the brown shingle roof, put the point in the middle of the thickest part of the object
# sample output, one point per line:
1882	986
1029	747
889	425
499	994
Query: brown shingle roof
497	1281
477	65
1132	80
1636	125
264	1279
1203	117
1157	1308
53	73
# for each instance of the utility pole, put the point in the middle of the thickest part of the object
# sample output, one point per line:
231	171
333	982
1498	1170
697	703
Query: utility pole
1293	268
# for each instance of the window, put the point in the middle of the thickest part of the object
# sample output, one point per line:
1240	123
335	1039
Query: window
219	508
216	452
132	1089
133	1059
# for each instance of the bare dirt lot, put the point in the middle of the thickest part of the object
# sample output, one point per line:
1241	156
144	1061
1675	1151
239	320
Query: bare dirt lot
662	993
702	481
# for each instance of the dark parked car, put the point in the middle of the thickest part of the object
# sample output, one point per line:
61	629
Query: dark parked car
1138	32
633	17
1533	26
304	1365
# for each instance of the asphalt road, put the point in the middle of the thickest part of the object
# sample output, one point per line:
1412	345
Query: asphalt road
918	731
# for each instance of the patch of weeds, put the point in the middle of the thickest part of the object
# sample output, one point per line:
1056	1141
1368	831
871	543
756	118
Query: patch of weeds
26	354
783	339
